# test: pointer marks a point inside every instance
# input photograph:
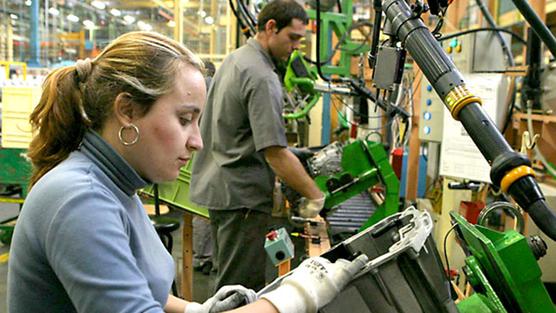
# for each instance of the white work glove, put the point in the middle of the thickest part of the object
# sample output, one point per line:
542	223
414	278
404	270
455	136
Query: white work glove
310	208
226	298
313	284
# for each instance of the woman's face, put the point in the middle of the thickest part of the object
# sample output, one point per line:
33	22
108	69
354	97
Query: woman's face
169	132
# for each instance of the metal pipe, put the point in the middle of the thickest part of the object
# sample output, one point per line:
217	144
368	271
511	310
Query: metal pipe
537	24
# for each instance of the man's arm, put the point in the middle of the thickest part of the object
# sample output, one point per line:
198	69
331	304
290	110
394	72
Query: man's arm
288	167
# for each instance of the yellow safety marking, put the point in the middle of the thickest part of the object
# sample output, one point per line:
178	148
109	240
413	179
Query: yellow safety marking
514	175
11	200
4	257
458	98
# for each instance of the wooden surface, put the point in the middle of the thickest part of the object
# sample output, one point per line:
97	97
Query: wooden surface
187	256
284	267
150	209
318	229
414	140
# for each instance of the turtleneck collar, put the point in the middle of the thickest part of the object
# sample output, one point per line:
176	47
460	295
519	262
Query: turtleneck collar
111	163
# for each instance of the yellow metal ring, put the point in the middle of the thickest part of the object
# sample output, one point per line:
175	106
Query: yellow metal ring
514	175
462	103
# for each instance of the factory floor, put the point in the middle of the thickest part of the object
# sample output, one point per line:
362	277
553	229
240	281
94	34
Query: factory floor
202	284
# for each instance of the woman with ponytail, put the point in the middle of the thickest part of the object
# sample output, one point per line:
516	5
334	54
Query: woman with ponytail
105	128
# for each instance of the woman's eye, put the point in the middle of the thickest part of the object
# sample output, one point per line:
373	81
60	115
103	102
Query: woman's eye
184	120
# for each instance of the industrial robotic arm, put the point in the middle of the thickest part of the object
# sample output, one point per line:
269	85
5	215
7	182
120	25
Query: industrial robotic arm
510	171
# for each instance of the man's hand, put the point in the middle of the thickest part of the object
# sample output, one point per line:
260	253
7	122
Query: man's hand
310	208
314	284
226	298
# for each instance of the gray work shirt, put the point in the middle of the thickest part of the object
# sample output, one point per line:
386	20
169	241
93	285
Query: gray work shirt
243	116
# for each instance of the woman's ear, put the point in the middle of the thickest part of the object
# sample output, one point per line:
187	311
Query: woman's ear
124	108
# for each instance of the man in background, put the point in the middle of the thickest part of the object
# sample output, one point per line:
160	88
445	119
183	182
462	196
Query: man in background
246	147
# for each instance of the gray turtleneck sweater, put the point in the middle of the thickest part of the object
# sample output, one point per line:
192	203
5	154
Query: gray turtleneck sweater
83	242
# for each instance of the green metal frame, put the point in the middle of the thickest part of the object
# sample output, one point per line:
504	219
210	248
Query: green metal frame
503	269
305	85
176	193
367	164
15	169
340	24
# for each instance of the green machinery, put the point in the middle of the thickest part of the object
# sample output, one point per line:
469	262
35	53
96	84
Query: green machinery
301	77
342	171
502	269
341	24
15	171
299	82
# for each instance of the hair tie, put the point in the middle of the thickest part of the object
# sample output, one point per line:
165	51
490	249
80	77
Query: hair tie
83	69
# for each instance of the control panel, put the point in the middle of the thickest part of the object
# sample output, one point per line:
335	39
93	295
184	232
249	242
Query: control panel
432	114
479	52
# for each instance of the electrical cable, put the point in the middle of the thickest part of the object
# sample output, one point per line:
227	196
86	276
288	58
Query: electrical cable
492	24
512	91
357	125
355	111
251	18
239	20
436	31
475	30
343	38
319	69
507	51
447	272
243	12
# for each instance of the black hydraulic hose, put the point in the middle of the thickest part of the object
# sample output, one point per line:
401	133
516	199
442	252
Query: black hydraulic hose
240	22
492	24
243	12
377	5
483	131
362	90
450	86
543	218
252	20
319	69
537	24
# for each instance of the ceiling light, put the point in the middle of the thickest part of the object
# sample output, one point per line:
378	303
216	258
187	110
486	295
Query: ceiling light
89	24
28	3
202	13
171	23
54	11
129	19
144	26
209	20
115	12
73	18
13	16
99	4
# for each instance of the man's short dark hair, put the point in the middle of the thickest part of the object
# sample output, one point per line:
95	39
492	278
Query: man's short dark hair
283	12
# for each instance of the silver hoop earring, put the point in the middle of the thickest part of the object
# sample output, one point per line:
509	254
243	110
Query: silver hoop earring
121	137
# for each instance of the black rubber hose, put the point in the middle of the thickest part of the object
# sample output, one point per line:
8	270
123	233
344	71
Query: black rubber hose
492	24
545	219
537	24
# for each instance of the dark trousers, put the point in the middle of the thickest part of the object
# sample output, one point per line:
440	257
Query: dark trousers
239	237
